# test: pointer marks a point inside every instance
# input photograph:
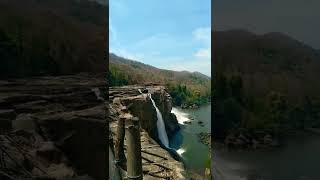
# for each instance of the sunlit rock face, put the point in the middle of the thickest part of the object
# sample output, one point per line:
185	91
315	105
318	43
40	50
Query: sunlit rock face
140	105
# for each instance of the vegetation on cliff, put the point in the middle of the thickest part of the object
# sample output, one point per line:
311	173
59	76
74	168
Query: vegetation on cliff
184	87
269	83
52	37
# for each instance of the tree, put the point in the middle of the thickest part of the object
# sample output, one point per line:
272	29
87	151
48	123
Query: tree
236	87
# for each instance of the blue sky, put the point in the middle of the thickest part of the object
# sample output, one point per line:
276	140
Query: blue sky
168	34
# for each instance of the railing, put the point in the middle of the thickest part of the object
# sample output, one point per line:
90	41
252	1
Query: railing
129	126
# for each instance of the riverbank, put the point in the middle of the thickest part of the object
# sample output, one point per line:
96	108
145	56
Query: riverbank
271	164
187	140
194	105
262	141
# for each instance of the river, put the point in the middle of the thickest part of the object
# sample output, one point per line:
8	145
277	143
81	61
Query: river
297	159
195	155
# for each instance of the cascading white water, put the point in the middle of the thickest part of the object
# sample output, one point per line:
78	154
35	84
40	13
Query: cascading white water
181	116
160	125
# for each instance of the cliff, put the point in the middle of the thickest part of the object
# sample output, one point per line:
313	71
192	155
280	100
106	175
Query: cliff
156	159
53	127
141	106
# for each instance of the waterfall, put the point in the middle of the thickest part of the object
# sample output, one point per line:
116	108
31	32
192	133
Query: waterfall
181	116
160	125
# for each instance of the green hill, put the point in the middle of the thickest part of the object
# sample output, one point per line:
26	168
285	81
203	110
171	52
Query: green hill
52	37
266	82
185	87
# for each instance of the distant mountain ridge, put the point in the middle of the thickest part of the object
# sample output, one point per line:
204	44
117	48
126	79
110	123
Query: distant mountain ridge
267	82
166	75
273	54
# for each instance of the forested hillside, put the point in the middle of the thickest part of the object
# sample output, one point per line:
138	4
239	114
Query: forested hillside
52	37
268	83
184	87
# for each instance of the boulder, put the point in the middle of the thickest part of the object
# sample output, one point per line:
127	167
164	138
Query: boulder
31	107
56	171
143	109
5	125
255	144
49	152
141	106
7	114
81	139
172	125
25	122
267	139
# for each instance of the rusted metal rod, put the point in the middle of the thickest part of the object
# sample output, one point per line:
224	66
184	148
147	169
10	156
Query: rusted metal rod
134	162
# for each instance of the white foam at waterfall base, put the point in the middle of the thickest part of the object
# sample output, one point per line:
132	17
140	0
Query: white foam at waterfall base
181	151
181	116
160	125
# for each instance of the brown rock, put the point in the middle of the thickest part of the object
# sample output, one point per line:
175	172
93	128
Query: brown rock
25	122
5	125
81	139
49	152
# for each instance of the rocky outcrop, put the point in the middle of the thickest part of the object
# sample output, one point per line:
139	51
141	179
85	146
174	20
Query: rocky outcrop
54	127
164	103
205	138
157	161
258	140
141	106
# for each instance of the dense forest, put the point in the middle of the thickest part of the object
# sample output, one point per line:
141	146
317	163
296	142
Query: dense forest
52	37
269	83
186	88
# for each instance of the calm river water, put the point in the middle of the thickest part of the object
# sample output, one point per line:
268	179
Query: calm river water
194	154
297	159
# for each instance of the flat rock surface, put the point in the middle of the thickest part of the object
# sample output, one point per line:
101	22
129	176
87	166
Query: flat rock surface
59	121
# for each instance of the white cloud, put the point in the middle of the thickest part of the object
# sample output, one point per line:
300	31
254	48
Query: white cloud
202	56
203	53
161	42
192	65
145	51
126	54
203	34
